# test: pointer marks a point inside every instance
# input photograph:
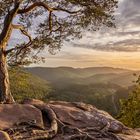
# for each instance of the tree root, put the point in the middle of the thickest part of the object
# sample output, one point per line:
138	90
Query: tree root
89	133
31	131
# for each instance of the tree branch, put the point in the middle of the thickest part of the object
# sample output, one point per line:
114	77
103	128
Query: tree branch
39	4
6	32
33	6
42	4
50	21
65	10
18	48
23	31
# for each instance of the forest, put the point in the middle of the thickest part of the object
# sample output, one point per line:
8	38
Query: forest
107	93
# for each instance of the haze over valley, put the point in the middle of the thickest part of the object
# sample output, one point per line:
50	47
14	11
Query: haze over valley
100	86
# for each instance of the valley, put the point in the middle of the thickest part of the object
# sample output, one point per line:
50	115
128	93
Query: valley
103	87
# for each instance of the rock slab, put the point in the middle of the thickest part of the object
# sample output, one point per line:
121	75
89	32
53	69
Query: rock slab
89	119
12	114
75	121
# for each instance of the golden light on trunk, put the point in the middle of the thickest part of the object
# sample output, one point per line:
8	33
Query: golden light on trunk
5	93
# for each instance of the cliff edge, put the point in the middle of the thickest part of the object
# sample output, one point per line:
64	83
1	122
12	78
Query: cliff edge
36	120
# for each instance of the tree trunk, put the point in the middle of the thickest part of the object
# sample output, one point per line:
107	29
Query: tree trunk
5	93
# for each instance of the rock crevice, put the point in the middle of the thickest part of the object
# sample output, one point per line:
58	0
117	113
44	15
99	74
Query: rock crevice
61	121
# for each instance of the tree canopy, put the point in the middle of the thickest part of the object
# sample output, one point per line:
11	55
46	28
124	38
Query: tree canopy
61	21
130	108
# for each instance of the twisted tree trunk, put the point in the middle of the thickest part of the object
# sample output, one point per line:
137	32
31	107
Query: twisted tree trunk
5	93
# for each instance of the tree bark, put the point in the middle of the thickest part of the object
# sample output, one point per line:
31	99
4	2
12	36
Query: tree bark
5	93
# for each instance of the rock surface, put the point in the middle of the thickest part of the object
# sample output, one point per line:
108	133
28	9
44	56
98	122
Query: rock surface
12	114
68	121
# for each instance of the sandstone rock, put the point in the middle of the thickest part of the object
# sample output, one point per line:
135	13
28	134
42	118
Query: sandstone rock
4	136
82	115
88	117
33	102
73	121
131	135
12	114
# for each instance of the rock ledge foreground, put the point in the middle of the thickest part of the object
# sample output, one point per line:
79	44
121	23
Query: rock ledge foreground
36	120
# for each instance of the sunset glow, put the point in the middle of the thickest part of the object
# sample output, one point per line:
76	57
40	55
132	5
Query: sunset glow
119	47
113	47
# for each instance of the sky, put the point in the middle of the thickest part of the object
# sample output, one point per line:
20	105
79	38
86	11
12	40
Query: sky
112	47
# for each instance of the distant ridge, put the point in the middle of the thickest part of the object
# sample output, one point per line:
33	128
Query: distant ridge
66	67
100	86
62	76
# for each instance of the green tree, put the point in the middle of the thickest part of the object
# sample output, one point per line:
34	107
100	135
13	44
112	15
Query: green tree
25	85
130	108
62	20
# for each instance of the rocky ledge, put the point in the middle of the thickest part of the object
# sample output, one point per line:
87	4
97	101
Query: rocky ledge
36	120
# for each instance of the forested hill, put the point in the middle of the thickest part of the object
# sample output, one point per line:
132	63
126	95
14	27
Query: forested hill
26	85
102	87
64	76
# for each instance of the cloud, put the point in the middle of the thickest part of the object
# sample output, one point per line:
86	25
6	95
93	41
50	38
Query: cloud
122	46
125	37
129	12
83	57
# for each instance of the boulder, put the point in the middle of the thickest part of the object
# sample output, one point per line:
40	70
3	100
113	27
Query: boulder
61	121
86	122
10	114
83	115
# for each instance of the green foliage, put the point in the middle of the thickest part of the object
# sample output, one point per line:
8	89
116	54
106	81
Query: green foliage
103	96
62	20
84	76
130	109
25	85
101	87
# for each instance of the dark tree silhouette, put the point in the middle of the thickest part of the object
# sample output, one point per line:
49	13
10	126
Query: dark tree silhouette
62	20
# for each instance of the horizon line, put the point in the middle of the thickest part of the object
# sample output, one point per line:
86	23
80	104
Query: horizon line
129	69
